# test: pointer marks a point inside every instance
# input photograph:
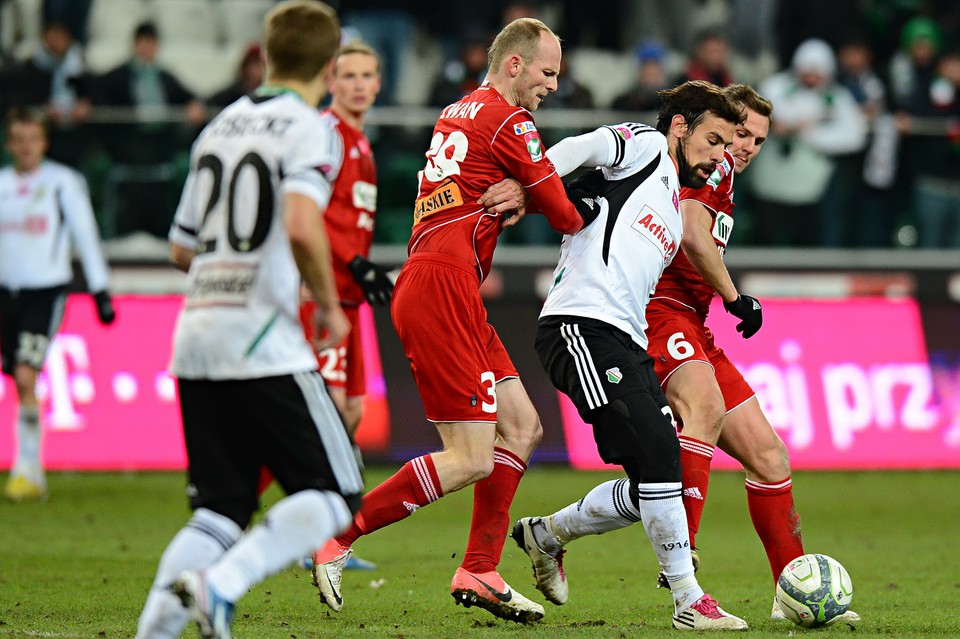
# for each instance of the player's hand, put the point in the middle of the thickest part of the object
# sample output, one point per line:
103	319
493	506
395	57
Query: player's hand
587	204
591	182
747	309
105	312
506	197
373	279
332	327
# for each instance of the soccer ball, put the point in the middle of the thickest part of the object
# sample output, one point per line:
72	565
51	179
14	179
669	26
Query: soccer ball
813	590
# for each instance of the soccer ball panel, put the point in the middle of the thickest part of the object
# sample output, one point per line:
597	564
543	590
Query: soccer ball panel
814	589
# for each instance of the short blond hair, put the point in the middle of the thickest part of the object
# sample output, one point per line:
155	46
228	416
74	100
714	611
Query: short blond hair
522	36
361	47
301	37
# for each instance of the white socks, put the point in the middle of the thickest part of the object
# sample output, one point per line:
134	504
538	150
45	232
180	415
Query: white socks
28	444
292	529
665	521
197	545
606	508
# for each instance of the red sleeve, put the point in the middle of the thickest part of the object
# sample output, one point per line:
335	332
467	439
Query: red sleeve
518	145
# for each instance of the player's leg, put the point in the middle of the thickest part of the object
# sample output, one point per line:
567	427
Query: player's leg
31	319
218	518
477	582
694	395
294	429
749	438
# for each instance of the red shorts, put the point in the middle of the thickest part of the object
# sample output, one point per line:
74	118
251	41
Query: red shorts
342	365
678	337
455	355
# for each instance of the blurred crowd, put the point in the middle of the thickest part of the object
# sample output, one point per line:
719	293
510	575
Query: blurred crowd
864	151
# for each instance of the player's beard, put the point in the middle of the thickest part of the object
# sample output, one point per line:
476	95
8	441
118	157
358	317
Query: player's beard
689	175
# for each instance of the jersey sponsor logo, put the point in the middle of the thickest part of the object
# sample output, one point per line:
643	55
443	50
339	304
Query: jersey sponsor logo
365	221
534	146
31	225
221	285
524	127
364	195
462	110
722	228
445	196
650	224
614	375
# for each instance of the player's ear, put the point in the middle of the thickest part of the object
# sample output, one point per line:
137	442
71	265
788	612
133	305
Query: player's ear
514	65
678	125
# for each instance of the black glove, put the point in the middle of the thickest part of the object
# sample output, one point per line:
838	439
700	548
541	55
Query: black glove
105	311
372	278
584	191
748	309
592	182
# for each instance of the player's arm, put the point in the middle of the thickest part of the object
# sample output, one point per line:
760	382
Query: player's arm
181	256
311	251
78	214
701	250
699	247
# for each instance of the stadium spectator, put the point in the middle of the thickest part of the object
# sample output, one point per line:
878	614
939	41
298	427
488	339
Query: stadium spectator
802	198
463	75
594	346
250	393
469	386
651	78
249	77
714	404
710	60
43	203
869	221
145	142
924	91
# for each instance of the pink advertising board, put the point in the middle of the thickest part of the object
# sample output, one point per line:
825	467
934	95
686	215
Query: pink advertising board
108	402
846	384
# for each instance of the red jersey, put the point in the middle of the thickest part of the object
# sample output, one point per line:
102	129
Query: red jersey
680	281
476	143
350	215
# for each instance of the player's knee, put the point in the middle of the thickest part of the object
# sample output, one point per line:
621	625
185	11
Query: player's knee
703	415
769	462
522	432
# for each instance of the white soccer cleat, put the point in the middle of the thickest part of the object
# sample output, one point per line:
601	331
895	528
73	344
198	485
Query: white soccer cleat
328	564
777	615
547	568
489	591
706	614
212	612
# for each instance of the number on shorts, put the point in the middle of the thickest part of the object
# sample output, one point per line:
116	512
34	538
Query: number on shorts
678	347
491	406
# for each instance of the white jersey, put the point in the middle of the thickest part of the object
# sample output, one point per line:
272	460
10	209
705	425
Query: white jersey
43	215
241	317
608	270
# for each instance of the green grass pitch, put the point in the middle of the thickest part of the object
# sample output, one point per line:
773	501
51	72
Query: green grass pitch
80	564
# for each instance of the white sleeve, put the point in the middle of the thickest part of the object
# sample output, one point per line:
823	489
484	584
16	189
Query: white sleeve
597	148
186	223
78	214
315	162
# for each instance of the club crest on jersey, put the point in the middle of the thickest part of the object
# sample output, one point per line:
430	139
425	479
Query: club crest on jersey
524	127
623	132
651	225
614	375
721	171
534	145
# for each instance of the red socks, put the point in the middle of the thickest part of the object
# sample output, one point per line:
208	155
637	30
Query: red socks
413	486
695	458
491	512
776	522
